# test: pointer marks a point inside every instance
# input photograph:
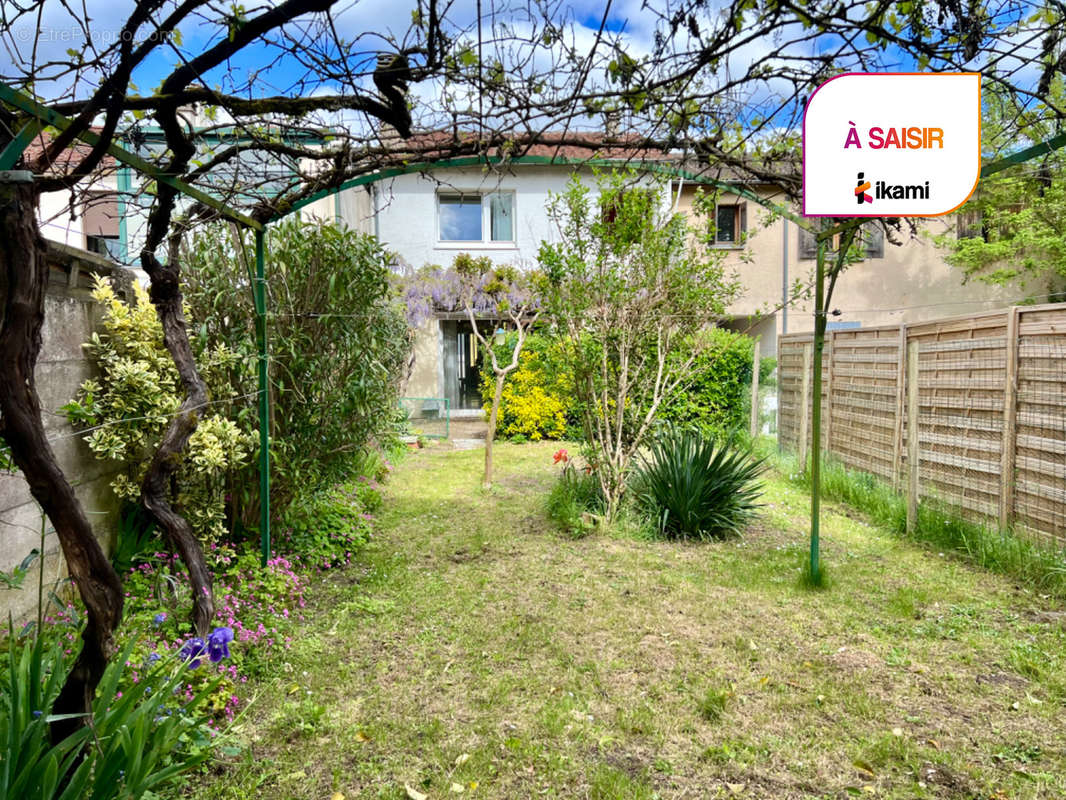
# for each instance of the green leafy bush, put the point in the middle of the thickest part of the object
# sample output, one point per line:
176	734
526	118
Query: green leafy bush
767	371
537	401
694	487
717	398
327	529
337	346
126	410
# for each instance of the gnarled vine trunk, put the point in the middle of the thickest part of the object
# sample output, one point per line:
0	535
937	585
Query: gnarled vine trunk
165	293
23	280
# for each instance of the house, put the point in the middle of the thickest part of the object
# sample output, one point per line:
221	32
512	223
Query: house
908	281
93	218
429	215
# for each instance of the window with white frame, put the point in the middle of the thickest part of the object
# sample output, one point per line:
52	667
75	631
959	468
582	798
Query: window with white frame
475	217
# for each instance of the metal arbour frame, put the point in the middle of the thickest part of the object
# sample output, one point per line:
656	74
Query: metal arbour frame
41	116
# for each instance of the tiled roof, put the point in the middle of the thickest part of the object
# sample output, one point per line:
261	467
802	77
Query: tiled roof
68	159
574	146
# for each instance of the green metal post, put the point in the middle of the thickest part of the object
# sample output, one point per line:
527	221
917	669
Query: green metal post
125	198
816	410
264	398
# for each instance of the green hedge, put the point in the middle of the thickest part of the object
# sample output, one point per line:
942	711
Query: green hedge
538	403
717	400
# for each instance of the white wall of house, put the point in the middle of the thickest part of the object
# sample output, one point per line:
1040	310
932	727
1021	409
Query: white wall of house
408	224
58	223
409	213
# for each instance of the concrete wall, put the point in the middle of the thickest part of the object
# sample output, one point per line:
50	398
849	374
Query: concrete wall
70	317
425	380
911	283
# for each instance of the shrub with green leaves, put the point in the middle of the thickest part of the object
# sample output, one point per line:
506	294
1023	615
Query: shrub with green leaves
694	487
127	408
326	530
717	397
337	342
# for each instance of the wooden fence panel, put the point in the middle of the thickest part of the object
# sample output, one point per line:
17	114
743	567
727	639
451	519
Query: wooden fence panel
961	378
789	383
1039	502
864	406
991	422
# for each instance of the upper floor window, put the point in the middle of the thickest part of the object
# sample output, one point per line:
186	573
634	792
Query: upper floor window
730	224
100	223
871	238
475	217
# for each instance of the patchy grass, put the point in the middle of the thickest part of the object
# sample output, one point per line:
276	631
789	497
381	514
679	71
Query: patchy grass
477	648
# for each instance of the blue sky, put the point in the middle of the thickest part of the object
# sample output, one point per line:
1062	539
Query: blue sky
368	22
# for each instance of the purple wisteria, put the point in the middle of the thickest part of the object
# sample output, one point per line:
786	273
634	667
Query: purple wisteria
489	291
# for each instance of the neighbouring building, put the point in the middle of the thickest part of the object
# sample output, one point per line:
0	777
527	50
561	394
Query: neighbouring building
900	282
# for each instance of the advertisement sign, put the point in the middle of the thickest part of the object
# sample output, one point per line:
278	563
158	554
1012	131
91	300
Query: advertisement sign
898	144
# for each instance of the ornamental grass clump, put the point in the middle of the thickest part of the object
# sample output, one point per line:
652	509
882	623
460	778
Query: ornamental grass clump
697	488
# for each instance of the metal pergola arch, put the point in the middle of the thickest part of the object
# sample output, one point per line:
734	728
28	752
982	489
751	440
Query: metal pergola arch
40	116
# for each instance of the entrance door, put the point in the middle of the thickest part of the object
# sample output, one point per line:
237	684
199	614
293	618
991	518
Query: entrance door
462	364
469	367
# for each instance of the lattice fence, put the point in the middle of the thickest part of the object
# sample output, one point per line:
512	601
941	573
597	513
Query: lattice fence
985	394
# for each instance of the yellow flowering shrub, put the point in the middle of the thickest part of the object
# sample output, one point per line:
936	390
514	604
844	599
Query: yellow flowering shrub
534	399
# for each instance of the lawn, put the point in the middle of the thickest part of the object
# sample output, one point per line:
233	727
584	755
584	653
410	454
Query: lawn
476	651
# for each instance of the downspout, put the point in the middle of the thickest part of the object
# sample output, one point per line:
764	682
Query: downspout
784	276
374	206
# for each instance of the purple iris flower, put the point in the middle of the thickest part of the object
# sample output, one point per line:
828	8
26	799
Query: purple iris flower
217	644
193	651
159	619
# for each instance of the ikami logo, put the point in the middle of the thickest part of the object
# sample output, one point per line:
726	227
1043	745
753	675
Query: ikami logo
860	191
888	191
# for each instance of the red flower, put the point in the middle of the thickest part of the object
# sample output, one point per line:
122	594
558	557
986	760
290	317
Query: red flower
561	455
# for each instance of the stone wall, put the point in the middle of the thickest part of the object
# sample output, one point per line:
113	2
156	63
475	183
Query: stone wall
70	317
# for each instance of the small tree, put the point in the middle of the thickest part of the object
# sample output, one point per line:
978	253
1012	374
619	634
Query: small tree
629	285
482	290
1013	229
